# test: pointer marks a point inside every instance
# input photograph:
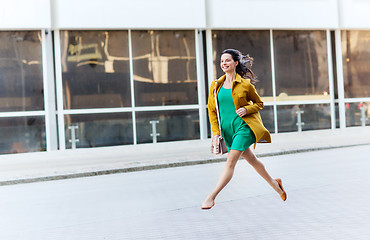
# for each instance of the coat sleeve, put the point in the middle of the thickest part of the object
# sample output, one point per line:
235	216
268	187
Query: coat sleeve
212	111
256	99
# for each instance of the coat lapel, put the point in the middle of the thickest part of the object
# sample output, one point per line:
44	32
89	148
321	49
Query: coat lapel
220	82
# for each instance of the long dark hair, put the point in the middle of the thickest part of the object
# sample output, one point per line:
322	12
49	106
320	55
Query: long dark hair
244	66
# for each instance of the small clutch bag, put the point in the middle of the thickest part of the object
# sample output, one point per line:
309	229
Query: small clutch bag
220	148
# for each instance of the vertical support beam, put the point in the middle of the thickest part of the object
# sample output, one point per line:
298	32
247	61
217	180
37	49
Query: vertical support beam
210	70
154	133
209	57
131	63
363	116
49	90
340	79
201	83
59	89
73	139
331	79
273	79
299	120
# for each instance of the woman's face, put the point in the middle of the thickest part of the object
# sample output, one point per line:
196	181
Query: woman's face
227	63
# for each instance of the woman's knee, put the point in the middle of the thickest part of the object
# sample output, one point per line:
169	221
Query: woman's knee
231	162
233	158
230	165
249	156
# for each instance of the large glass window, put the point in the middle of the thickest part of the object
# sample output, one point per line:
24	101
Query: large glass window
301	65
169	125
254	43
21	71
95	67
164	68
96	130
22	134
309	117
356	62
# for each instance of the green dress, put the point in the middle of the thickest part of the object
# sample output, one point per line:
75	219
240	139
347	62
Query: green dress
236	132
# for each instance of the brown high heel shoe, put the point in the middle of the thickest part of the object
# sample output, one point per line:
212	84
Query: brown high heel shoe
284	195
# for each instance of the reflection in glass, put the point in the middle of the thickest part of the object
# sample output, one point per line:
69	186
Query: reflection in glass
256	43
164	68
337	117
95	68
172	125
96	130
313	117
301	65
357	114
267	115
356	61
21	78
22	134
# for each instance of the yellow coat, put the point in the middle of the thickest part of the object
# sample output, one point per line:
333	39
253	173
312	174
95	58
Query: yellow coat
244	95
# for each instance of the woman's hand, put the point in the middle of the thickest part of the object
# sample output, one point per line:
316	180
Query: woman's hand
214	146
241	112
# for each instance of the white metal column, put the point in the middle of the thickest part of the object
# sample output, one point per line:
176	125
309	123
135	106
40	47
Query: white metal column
340	79
210	70
331	79
273	79
59	89
131	62
201	84
49	92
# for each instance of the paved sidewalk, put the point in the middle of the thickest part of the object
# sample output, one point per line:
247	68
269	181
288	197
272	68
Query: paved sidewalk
44	166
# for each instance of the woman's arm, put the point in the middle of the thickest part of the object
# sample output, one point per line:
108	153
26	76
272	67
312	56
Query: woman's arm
212	111
256	99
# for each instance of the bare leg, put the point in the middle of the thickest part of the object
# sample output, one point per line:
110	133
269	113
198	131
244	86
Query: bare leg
225	177
261	170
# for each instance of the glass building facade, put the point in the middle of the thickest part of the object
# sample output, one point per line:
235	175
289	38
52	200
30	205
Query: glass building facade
356	75
22	121
123	87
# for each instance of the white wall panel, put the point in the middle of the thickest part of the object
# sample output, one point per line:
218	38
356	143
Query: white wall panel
170	14
354	14
24	14
141	14
275	14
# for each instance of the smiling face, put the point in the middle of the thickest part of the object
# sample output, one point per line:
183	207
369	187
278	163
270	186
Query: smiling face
228	64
